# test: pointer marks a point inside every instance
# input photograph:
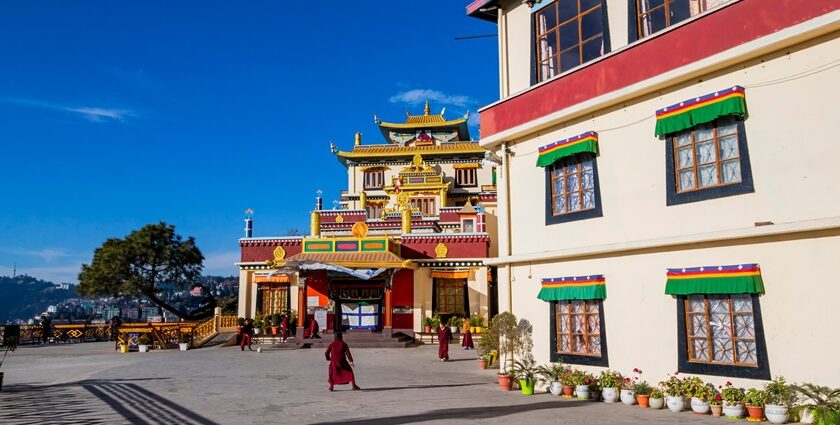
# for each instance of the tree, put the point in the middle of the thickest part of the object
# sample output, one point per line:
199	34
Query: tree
141	262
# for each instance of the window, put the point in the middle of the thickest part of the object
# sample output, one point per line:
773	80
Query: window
578	332
374	210
573	189
374	179
710	158
465	177
272	298
655	15
426	206
567	34
468	225
722	335
450	296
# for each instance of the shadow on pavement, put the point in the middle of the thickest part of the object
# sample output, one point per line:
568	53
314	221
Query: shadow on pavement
461	413
93	401
419	387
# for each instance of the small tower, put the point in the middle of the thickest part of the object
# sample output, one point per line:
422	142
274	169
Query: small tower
319	202
249	223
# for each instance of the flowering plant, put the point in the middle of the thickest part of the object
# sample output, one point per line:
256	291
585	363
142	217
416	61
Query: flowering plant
610	379
755	397
716	400
673	386
568	377
656	392
732	395
580	377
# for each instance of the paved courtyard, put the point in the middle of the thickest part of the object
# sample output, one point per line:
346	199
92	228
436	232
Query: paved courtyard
91	384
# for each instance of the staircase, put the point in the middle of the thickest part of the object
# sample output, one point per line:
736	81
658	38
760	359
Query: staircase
361	339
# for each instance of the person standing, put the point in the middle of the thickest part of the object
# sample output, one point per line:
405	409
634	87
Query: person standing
284	329
46	328
467	341
247	334
444	338
341	363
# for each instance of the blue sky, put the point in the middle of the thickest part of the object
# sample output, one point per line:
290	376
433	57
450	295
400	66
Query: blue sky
118	114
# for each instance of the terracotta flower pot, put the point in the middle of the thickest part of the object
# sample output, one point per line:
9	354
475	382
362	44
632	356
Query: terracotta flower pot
643	400
505	382
427	329
568	390
716	409
482	363
756	413
274	330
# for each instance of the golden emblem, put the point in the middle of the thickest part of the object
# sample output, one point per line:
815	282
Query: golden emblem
417	161
360	229
441	250
402	199
279	254
339	219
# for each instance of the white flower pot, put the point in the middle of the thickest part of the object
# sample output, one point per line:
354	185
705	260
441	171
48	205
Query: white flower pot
183	346
610	395
143	348
699	406
453	329
628	397
733	411
806	417
257	331
556	388
776	414
656	403
676	404
582	392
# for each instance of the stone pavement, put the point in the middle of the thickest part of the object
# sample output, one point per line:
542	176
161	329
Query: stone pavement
92	384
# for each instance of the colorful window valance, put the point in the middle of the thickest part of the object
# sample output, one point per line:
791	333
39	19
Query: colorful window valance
451	274
586	142
701	110
737	279
573	288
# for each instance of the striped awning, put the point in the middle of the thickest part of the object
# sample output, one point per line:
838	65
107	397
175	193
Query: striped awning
586	142
701	110
734	279
281	278
592	287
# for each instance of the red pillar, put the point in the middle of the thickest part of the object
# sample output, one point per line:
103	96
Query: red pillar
388	311
301	307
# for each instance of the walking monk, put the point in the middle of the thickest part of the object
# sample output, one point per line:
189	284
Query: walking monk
341	363
467	341
444	338
284	329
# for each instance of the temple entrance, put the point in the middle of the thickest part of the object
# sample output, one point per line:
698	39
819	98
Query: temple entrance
357	305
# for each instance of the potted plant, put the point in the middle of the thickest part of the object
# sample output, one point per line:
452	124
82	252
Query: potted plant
143	343
486	346
184	341
733	401
754	400
276	319
716	403
483	361
526	371
674	392
552	374
610	384
698	391
567	379
455	323
259	322
643	391
581	380
821	405
503	328
477	323
657	398
780	398
594	389
427	324
435	322
628	389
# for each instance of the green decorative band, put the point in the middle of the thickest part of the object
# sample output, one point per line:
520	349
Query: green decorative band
573	288
318	246
586	142
374	246
735	279
701	110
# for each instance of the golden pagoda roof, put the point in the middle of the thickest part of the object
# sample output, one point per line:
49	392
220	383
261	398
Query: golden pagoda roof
378	151
424	121
356	259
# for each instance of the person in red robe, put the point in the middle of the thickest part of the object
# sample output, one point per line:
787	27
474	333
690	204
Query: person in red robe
444	338
467	341
310	330
341	363
247	334
284	329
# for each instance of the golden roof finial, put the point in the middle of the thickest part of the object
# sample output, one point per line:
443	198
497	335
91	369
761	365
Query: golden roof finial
358	138
426	111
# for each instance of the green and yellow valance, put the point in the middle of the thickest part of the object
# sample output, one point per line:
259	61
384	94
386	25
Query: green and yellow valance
701	110
736	279
573	288
586	142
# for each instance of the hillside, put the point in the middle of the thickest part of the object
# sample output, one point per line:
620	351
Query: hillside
24	296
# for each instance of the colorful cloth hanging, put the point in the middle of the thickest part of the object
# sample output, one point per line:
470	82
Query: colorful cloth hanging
586	142
701	110
592	287
736	279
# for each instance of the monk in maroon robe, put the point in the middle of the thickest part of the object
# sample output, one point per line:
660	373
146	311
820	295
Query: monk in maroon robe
284	329
467	341
341	363
444	338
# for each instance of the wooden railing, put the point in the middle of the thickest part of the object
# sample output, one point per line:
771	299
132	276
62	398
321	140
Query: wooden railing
63	333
